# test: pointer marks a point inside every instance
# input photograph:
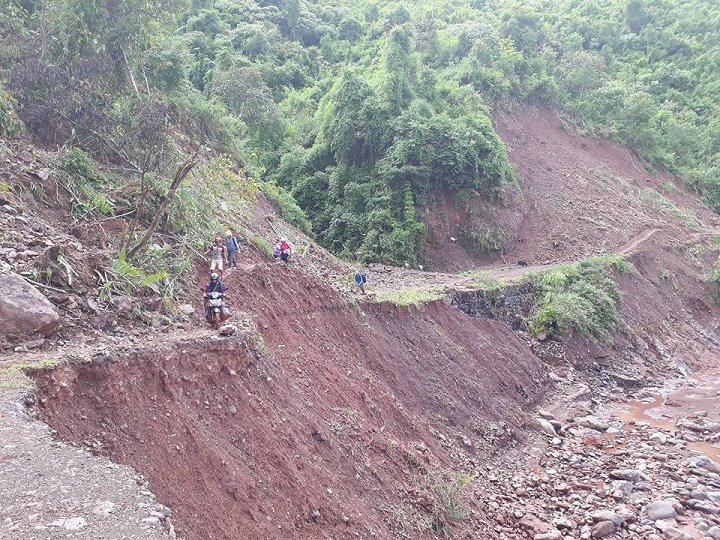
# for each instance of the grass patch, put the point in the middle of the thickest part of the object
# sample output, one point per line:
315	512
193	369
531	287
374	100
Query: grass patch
260	243
13	376
582	296
656	200
411	297
285	205
714	280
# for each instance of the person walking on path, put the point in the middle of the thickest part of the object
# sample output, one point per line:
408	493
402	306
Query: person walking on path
218	255
232	244
360	280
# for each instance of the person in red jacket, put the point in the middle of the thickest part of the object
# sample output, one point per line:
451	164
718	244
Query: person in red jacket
285	250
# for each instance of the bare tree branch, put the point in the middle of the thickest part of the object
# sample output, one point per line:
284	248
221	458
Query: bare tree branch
180	175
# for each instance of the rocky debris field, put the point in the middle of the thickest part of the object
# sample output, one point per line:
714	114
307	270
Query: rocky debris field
51	490
620	477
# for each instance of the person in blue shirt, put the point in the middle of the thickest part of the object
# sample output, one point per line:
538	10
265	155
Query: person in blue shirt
360	280
232	244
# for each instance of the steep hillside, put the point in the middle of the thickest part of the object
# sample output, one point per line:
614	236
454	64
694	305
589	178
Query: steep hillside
335	420
577	196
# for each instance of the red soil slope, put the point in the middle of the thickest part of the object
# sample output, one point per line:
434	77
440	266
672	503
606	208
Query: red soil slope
577	196
343	420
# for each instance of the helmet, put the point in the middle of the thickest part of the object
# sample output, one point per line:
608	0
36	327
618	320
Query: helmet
228	233
214	276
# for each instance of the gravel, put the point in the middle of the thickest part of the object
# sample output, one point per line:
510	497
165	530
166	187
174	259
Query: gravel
51	490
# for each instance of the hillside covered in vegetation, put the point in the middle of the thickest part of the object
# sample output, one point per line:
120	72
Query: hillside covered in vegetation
352	116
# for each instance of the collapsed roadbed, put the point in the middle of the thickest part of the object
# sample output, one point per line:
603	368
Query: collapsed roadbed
326	423
325	418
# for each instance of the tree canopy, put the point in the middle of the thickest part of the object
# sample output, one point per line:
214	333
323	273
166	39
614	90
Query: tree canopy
364	111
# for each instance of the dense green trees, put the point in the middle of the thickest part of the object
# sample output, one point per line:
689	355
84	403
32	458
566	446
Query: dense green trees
365	111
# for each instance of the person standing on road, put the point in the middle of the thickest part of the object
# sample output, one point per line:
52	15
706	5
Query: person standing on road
218	255
232	244
360	280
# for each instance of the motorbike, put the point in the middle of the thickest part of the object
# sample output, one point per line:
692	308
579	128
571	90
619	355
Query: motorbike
216	309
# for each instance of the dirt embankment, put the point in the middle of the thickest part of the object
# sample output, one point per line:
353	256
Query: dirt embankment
336	421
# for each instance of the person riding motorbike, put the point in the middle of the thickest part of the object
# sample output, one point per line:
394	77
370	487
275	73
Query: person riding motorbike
214	286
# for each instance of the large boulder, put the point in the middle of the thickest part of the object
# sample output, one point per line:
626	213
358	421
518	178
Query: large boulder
23	309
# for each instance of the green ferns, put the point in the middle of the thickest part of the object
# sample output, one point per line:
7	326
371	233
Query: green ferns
582	297
127	279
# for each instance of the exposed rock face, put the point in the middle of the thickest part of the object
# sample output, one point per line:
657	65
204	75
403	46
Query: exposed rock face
23	309
511	304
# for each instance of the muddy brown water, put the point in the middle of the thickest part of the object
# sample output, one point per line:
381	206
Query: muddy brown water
664	410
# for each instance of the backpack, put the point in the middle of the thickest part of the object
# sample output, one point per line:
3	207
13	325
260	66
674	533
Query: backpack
232	243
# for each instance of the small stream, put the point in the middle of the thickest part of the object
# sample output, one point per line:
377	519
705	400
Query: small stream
663	411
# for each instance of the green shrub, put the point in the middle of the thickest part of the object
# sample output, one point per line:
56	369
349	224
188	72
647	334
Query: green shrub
127	279
583	297
85	183
286	207
10	124
490	240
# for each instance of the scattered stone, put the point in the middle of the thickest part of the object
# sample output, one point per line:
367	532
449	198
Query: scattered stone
606	515
123	305
547	427
152	521
703	506
105	508
228	329
70	524
35	343
154	304
659	436
58	297
186	309
631	475
552	534
660	510
24	310
602	529
622	489
533	523
592	422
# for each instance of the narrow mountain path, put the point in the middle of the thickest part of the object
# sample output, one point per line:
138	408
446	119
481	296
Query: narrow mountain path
385	279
